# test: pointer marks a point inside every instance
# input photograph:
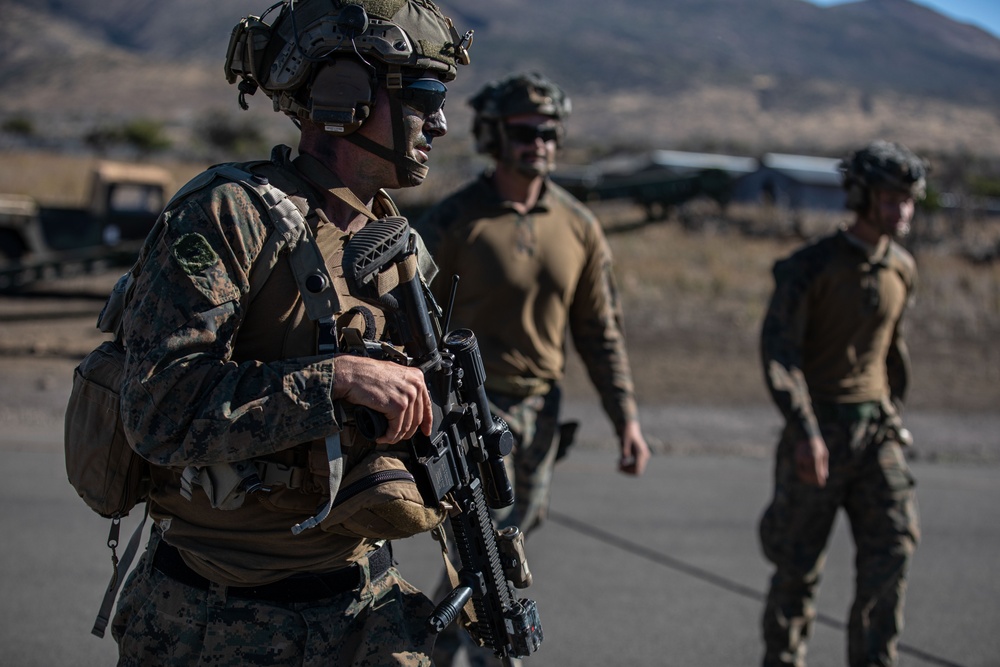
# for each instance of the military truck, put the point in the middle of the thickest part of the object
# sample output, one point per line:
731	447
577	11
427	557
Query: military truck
42	243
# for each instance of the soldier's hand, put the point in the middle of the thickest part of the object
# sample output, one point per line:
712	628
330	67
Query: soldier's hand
634	450
812	461
398	392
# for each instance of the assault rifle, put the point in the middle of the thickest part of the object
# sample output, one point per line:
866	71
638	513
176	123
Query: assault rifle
461	462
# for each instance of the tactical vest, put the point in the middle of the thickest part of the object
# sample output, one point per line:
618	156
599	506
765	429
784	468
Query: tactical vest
335	321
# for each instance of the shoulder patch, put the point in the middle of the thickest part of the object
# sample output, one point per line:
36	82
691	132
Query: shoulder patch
193	253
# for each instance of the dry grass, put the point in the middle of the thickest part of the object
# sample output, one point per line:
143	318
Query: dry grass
739	117
695	287
695	299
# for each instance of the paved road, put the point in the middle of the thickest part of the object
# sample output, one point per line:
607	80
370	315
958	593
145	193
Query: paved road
663	570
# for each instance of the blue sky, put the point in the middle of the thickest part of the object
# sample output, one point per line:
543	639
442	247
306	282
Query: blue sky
983	13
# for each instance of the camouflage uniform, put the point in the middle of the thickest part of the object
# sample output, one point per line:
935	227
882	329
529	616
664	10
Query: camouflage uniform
836	365
525	279
209	379
162	621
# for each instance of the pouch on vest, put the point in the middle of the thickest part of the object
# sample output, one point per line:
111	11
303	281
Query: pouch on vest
379	499
101	465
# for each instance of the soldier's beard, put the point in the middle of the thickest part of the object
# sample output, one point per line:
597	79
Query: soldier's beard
531	167
895	227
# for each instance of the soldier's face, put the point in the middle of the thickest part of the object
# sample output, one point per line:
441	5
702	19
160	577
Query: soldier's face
423	117
891	212
529	144
420	127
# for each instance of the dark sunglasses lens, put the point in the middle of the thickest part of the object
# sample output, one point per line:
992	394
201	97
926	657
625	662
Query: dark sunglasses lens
425	95
527	134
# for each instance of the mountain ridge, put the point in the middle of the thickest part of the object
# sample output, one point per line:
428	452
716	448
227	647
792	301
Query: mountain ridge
755	69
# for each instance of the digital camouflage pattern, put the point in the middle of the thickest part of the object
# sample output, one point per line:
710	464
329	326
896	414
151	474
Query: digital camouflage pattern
870	479
163	622
209	380
534	423
525	280
837	366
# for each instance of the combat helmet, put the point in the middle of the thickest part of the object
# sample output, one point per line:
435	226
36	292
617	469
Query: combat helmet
885	165
324	60
531	92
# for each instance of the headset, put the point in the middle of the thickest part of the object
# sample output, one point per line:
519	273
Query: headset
291	61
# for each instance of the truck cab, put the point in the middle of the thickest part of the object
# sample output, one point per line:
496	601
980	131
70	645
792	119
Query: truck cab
38	242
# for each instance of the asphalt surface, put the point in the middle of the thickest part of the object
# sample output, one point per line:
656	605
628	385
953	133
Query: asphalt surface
660	570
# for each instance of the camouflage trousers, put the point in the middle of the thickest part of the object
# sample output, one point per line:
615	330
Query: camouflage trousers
534	422
869	478
160	621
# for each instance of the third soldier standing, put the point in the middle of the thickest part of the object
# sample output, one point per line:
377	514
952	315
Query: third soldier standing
837	367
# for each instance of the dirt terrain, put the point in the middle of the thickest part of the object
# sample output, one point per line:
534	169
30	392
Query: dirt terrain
694	296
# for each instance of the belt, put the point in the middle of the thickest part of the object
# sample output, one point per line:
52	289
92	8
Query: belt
300	587
846	412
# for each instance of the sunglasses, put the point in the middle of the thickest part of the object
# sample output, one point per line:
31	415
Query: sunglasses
424	95
527	134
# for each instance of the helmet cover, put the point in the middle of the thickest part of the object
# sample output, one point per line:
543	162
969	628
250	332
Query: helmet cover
394	38
521	94
527	93
884	165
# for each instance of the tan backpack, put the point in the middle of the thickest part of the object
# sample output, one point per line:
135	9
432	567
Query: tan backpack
100	464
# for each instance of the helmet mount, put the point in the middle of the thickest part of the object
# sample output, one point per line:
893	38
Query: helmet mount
324	60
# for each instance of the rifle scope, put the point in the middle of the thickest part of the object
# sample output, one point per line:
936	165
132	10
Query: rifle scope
497	438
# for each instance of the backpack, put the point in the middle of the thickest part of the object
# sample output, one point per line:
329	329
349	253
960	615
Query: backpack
100	464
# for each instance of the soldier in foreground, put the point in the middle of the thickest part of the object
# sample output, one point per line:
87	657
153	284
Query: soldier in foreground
222	382
533	263
837	367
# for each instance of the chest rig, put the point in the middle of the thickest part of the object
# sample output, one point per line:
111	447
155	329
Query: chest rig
340	327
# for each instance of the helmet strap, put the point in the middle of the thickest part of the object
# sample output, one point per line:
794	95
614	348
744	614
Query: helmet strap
409	172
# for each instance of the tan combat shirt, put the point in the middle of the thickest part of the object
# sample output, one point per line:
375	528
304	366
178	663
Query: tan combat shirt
527	279
832	332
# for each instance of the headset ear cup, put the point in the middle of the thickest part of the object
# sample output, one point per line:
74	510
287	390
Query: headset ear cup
341	96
